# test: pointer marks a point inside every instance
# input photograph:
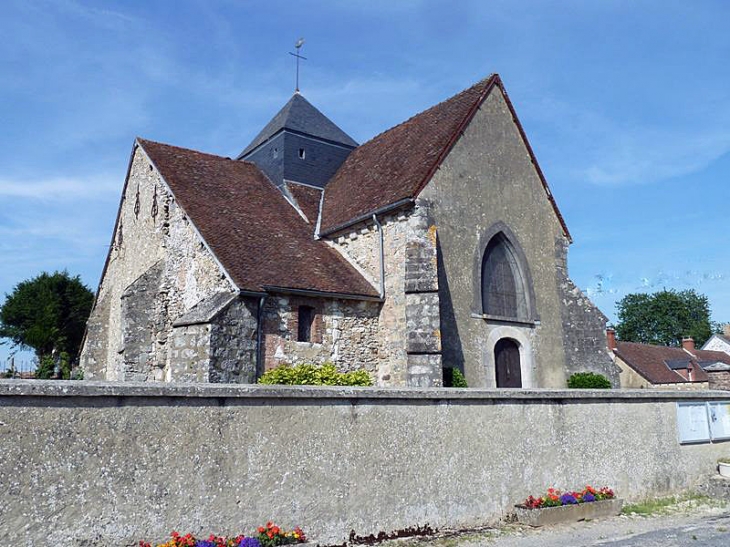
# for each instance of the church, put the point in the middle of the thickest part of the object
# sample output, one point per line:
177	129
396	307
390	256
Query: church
435	245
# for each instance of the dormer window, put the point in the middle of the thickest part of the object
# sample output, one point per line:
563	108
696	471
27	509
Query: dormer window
302	154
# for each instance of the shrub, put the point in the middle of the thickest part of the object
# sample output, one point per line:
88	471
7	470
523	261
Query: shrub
588	380
458	379
313	375
453	377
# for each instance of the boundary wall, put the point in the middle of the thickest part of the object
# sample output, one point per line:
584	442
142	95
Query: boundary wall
92	463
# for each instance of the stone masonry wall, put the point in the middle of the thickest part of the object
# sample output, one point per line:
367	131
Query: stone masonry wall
233	343
132	462
152	228
719	379
345	332
408	329
141	324
189	353
584	326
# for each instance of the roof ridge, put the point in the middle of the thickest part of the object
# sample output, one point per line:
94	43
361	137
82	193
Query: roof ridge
483	81
142	141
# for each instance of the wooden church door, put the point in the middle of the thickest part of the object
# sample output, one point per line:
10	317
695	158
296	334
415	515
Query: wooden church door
507	363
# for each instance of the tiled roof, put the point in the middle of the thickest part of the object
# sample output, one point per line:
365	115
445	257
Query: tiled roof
257	236
654	362
397	164
301	116
307	198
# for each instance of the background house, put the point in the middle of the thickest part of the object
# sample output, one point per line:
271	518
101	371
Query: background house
662	367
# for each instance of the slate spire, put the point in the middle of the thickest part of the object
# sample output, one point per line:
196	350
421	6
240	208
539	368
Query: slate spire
299	144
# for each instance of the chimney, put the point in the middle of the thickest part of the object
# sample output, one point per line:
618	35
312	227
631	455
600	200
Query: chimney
611	339
726	330
688	344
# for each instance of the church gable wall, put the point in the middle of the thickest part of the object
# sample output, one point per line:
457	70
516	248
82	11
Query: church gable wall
151	229
488	178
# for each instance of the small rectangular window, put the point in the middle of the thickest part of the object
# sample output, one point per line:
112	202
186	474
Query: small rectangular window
302	154
306	320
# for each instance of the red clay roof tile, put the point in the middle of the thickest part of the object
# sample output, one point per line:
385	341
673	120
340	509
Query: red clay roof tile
650	361
257	236
397	164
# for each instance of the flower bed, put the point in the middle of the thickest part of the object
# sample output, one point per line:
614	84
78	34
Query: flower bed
556	506
556	498
269	535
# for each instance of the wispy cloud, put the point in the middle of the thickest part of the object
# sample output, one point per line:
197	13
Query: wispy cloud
91	188
610	149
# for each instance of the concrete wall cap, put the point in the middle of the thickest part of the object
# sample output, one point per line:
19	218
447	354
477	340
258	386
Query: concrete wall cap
68	388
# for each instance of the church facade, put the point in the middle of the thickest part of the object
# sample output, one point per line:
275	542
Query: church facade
437	244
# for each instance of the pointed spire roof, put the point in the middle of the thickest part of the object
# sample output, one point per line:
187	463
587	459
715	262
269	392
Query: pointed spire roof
300	116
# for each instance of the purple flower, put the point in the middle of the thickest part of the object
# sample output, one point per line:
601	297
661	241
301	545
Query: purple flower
249	542
589	497
568	499
204	543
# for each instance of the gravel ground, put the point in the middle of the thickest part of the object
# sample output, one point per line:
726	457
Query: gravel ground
687	523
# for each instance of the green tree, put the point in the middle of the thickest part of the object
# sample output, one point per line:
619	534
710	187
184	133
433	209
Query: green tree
47	314
664	318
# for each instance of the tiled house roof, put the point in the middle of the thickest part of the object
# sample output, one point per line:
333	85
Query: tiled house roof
665	365
258	237
397	164
307	199
263	242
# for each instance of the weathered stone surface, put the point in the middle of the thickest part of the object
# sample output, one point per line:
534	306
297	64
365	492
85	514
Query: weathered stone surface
189	354
141	325
233	343
424	370
584	326
422	322
719	379
488	180
153	231
411	275
345	332
111	463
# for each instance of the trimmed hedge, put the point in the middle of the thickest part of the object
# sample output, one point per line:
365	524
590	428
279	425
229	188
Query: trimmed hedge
313	375
588	380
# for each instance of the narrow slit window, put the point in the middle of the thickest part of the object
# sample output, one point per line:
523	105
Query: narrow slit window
302	153
306	320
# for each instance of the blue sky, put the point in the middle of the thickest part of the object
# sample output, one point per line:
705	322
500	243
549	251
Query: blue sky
626	103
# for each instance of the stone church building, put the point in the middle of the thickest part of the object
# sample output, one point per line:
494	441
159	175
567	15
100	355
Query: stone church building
436	244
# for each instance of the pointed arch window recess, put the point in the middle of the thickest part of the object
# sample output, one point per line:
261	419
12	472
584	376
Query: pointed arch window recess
504	294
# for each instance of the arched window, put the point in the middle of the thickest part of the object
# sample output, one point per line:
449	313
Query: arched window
503	290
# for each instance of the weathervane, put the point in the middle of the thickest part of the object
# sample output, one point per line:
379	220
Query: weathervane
298	47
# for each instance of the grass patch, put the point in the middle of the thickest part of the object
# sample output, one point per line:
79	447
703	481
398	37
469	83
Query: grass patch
661	506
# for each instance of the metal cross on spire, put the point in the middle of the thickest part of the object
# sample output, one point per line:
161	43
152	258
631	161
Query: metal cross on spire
298	47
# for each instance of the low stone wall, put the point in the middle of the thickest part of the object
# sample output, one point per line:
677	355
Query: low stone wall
85	463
